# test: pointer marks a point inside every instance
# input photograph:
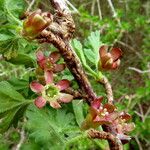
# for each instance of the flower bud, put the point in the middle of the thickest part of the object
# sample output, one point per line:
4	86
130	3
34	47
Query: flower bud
109	60
35	23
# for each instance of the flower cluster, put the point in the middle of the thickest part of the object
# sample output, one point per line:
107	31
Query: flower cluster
49	92
107	114
109	60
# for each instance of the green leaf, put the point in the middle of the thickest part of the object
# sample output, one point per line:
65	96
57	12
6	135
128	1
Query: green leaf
42	127
67	75
90	55
7	120
78	111
7	103
8	90
4	37
14	8
19	84
30	145
78	48
11	43
2	12
94	41
49	127
67	117
9	47
12	106
12	116
23	59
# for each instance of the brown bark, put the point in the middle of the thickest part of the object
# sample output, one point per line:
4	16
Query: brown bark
72	63
115	142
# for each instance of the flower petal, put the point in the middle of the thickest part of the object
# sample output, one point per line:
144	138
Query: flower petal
103	50
48	77
94	112
108	64
129	127
40	56
63	84
54	56
97	119
55	104
123	137
106	57
112	116
59	67
116	64
97	102
36	87
110	108
119	128
101	120
116	53
125	116
65	98
40	102
42	63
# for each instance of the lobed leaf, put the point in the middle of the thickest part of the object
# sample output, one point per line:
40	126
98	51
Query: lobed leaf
12	105
49	127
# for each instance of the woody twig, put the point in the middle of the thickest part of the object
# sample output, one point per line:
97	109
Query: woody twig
108	89
116	144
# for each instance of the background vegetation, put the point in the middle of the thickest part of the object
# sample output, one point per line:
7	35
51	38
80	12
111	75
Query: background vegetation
126	24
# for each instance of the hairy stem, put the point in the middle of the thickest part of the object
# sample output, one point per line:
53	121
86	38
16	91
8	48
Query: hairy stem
108	89
115	142
73	63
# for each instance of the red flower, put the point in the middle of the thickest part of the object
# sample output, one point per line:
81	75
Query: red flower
102	114
99	114
49	63
50	92
109	60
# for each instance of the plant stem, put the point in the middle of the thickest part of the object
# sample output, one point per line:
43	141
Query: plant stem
108	88
116	143
22	138
99	10
73	63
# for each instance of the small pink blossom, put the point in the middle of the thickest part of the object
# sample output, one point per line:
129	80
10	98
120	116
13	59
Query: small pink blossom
102	114
99	114
49	63
51	93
